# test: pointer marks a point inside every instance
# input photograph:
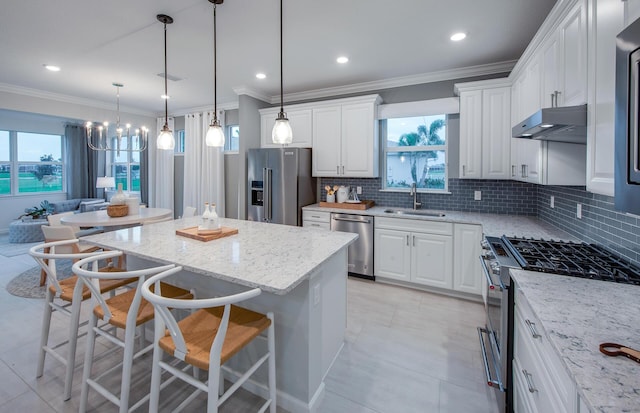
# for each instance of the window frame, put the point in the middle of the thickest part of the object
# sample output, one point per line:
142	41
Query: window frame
227	143
14	165
397	149
113	164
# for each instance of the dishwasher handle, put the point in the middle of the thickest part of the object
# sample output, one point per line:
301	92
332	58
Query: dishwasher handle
364	221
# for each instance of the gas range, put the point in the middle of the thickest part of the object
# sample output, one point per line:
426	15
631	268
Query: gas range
572	259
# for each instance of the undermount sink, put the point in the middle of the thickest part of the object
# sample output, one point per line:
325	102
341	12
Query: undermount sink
413	212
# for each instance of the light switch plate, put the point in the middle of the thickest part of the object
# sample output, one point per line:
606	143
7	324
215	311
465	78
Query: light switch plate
477	195
579	211
359	190
552	203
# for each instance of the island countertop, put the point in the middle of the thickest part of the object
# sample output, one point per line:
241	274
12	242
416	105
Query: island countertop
577	315
274	258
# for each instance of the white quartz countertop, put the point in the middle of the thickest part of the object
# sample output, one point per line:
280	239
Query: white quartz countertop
577	315
275	258
492	224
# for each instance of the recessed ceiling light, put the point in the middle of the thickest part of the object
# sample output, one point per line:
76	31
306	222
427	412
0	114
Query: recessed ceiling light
52	68
165	96
261	75
342	59
456	37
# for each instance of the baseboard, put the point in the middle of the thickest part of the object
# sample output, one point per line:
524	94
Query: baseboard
436	290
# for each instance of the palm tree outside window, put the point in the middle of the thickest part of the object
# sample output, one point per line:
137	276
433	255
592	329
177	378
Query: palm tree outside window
415	153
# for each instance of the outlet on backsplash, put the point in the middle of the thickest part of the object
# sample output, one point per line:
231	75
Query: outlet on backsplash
477	195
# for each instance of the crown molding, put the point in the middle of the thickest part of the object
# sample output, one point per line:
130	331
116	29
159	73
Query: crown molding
547	28
19	90
481	84
451	74
207	108
243	90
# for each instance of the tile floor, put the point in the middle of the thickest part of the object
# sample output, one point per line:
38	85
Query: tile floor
405	351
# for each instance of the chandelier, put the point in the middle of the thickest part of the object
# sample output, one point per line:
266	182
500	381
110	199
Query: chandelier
100	139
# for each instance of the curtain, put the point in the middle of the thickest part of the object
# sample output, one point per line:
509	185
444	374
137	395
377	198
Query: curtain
144	174
83	165
204	165
163	194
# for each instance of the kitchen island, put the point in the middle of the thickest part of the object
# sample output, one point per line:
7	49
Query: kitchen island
303	276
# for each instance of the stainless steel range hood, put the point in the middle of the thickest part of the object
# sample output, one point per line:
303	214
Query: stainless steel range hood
560	124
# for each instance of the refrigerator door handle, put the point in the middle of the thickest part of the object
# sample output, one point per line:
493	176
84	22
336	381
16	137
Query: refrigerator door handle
266	176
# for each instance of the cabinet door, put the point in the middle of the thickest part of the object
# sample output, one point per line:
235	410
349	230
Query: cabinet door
392	254
266	126
326	141
300	121
431	260
471	134
550	72
573	32
531	92
359	141
467	273
530	161
496	133
517	90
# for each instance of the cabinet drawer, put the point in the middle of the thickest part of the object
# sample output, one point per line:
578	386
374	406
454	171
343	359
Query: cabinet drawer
542	348
318	216
315	224
415	225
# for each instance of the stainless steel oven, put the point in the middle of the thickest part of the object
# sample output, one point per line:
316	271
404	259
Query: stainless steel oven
627	122
495	344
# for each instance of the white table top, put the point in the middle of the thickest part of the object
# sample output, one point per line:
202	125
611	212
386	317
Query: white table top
101	219
275	258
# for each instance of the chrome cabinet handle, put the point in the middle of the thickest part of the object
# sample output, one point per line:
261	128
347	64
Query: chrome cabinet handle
532	328
414	240
553	95
464	172
342	169
407	240
337	169
513	170
522	171
527	377
526	171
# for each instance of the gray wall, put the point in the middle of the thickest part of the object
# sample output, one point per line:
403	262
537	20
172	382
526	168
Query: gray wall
231	184
178	185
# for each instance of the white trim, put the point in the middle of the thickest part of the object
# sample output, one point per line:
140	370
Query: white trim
421	108
481	85
375	99
451	74
243	90
207	108
19	90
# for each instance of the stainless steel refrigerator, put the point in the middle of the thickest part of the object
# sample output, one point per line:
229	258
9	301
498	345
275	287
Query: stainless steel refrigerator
279	184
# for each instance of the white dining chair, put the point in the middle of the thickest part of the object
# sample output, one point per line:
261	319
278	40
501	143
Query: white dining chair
189	212
216	331
126	311
65	296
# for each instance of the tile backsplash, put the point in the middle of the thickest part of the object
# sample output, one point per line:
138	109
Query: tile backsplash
498	197
600	223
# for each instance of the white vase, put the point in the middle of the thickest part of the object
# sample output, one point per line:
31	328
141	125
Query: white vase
214	222
119	198
205	216
331	198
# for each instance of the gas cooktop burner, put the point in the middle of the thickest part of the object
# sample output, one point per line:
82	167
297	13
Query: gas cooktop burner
573	259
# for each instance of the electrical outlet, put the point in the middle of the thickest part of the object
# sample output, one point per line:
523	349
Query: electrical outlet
359	190
477	195
579	211
316	294
552	203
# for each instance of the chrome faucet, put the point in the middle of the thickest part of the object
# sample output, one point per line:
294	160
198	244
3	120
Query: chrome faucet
414	193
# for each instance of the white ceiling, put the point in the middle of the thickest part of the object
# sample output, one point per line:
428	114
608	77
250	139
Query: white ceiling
100	42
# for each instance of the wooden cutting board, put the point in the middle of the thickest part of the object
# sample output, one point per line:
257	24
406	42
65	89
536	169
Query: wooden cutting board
362	205
192	232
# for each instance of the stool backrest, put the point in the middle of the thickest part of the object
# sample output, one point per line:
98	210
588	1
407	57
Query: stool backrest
162	306
189	212
55	220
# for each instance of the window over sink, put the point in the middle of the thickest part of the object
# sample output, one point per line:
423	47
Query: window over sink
415	152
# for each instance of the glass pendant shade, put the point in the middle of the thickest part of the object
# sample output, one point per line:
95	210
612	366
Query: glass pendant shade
165	139
282	133
215	135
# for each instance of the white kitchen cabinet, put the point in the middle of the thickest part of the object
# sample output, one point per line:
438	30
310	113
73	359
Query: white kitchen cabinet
300	121
415	251
485	129
345	140
573	52
608	19
467	273
542	382
548	162
526	96
526	160
316	219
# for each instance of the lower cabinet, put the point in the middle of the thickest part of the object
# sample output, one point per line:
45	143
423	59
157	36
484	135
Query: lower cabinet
430	253
316	219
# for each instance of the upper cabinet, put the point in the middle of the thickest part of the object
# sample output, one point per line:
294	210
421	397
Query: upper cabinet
300	121
485	131
345	138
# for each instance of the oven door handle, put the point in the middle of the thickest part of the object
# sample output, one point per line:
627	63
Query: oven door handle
491	382
487	274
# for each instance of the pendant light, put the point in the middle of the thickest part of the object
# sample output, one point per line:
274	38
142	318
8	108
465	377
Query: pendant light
282	133
215	134
165	138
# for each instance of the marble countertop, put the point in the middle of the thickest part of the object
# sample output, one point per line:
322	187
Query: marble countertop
492	224
577	315
275	258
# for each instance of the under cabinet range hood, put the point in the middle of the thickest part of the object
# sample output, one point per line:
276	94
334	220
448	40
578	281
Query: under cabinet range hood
560	124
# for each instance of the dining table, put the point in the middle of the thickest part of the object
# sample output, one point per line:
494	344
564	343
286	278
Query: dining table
101	219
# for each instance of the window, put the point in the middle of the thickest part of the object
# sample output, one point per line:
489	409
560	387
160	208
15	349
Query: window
415	151
232	143
125	165
179	137
30	163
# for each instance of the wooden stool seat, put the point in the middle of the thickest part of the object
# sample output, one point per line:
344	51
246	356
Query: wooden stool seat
200	328
68	284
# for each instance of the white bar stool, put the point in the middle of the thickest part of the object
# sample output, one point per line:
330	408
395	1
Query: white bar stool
206	339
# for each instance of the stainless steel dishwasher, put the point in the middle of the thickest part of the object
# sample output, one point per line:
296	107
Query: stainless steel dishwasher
361	251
